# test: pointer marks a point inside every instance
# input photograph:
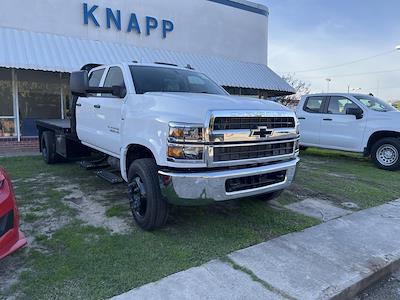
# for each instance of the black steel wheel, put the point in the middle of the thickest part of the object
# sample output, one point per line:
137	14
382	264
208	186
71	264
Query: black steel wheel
48	147
149	208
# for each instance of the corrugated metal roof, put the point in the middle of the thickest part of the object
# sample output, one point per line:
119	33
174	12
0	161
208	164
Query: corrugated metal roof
49	52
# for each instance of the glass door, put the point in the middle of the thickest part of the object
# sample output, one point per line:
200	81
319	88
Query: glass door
7	117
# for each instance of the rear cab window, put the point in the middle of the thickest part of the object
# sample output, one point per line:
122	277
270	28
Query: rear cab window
314	104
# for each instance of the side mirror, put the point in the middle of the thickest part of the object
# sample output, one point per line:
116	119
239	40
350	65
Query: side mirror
118	91
79	83
355	111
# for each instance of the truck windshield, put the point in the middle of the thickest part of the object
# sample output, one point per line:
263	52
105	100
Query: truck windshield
161	79
375	103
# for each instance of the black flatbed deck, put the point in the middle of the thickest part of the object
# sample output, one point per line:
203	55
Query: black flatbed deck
59	126
67	143
55	124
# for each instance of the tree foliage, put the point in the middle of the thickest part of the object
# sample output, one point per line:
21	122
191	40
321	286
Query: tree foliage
301	87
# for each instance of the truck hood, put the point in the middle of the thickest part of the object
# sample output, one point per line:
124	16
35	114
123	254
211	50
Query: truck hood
194	107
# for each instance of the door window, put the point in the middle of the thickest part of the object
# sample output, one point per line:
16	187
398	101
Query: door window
339	105
95	78
114	78
314	104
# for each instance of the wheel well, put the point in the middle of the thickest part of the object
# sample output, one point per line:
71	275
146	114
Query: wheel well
376	136
136	152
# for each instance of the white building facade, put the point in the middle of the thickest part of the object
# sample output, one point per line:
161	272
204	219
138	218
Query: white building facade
42	41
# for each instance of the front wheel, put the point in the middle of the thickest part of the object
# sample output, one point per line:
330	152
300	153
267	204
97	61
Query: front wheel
386	154
149	208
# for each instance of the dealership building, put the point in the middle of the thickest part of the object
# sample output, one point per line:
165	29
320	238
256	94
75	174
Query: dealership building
43	41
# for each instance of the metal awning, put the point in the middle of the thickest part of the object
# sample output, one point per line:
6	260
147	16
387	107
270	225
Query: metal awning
48	52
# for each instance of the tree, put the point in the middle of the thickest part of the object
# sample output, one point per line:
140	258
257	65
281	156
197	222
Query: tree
301	87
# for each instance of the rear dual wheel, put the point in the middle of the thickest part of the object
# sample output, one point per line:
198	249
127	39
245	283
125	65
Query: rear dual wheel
48	147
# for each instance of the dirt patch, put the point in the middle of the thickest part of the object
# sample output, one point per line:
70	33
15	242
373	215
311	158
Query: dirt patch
91	211
343	176
11	268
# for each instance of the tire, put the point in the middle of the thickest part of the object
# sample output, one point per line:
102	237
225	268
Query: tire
303	148
149	208
48	147
269	197
385	154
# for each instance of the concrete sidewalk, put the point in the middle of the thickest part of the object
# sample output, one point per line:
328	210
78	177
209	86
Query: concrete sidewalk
334	260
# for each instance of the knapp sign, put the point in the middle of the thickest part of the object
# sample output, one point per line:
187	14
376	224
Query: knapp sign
109	18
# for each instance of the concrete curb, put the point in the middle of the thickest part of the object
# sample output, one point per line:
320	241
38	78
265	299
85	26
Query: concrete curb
369	281
334	260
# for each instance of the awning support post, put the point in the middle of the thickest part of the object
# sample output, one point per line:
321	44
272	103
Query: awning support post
14	79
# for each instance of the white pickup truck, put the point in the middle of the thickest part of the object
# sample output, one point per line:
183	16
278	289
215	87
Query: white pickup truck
351	122
175	137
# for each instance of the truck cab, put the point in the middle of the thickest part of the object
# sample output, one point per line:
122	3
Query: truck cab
351	122
179	138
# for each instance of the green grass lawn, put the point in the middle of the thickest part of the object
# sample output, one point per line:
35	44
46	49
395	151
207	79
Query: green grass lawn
77	250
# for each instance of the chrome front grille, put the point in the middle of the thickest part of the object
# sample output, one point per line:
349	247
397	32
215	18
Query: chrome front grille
251	137
250	152
234	123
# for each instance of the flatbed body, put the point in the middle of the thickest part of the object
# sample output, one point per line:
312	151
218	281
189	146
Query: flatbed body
68	144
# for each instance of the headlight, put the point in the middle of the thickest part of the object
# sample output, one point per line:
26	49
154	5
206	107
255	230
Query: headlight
182	132
185	152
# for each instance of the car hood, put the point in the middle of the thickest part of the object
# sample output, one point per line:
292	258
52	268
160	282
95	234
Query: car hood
193	107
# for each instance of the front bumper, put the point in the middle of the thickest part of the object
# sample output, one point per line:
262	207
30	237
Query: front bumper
208	187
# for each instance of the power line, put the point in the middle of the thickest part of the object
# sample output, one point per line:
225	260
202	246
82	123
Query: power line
346	63
351	75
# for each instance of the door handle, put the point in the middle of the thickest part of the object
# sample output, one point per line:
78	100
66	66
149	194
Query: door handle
327	119
301	118
78	104
96	106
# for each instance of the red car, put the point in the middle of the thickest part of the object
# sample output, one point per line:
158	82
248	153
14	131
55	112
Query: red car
11	239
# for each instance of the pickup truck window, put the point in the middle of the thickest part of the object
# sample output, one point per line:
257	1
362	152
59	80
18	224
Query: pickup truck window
161	79
339	105
314	104
114	77
375	103
95	78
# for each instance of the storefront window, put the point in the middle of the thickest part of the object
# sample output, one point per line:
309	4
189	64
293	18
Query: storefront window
39	96
7	120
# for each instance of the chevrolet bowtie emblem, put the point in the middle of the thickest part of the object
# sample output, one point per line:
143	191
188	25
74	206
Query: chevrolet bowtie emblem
261	131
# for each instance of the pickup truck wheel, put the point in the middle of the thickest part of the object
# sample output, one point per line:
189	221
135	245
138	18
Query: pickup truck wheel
386	154
269	196
48	146
149	208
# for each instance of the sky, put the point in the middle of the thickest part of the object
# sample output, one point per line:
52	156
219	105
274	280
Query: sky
306	35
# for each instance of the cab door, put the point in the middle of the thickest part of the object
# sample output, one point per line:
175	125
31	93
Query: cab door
339	130
86	126
109	113
310	116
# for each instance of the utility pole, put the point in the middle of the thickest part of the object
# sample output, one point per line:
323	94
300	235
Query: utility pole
328	80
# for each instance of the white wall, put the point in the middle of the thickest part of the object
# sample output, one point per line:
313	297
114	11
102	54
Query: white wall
201	26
